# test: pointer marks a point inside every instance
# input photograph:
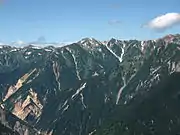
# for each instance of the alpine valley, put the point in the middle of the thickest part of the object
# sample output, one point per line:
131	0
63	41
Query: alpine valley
116	87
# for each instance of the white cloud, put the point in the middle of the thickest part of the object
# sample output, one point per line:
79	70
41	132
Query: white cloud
2	43
18	43
163	22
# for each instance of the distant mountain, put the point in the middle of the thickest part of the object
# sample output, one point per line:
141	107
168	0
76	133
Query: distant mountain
39	43
92	87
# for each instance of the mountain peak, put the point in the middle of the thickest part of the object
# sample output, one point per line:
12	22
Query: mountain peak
89	42
87	39
170	38
113	41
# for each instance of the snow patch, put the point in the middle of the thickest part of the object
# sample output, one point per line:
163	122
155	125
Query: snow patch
28	53
142	45
47	50
119	58
123	51
157	69
76	63
36	47
56	53
82	100
99	49
65	103
120	90
79	90
95	74
91	133
66	108
13	50
82	41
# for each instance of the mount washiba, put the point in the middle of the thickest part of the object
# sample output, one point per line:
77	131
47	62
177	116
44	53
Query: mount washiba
117	87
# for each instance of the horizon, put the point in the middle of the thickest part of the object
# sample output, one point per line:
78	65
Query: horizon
62	44
70	21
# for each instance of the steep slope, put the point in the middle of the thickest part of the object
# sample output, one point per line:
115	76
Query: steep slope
76	88
149	101
62	80
156	113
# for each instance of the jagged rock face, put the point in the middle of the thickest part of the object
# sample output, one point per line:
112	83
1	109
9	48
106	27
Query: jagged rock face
73	89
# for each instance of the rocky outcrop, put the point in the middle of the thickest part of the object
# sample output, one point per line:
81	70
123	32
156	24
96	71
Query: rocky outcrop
31	105
13	89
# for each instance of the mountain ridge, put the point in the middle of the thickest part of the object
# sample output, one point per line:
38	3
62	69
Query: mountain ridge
74	89
61	44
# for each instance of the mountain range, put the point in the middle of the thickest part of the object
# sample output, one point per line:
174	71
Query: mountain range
116	87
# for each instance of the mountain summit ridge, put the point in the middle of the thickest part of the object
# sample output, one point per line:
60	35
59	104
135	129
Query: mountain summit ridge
61	44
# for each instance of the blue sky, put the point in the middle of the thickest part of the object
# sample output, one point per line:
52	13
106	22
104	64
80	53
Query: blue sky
71	20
